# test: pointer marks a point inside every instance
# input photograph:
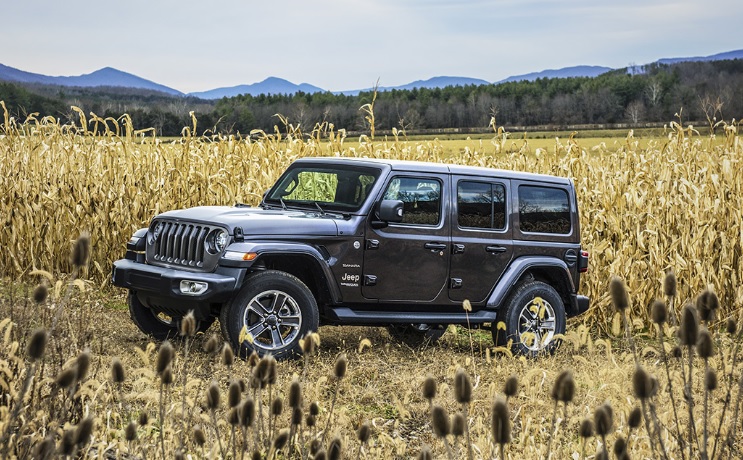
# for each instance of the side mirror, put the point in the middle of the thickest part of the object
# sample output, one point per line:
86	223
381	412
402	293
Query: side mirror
391	211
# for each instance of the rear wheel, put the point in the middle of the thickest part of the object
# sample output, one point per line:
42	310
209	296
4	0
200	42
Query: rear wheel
273	310
533	315
415	335
156	324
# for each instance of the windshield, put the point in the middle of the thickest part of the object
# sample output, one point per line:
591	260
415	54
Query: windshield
332	187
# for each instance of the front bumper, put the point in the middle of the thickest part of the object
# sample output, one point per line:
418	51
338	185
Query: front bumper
164	283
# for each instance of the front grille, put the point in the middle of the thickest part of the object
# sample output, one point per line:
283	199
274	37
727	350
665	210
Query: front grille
180	244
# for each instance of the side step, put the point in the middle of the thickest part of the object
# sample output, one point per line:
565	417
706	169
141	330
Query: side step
346	315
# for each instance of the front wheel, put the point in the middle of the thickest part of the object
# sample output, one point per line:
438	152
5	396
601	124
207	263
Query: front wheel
159	325
533	315
273	310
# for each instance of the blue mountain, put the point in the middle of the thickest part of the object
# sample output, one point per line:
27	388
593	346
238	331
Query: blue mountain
566	72
435	82
270	85
107	76
738	54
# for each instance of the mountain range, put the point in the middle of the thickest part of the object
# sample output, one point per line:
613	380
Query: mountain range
110	77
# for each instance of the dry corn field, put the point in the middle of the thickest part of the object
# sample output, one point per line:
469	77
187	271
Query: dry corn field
77	380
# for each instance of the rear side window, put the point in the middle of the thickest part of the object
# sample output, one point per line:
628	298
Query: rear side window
481	205
421	199
544	210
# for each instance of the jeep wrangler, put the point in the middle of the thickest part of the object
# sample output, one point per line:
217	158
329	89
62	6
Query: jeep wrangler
347	241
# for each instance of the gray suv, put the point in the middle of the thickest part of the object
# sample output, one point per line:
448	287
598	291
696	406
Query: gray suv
341	241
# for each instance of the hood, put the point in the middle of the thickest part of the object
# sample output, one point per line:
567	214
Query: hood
257	221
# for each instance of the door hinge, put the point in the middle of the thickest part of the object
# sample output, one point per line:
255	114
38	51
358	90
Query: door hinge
370	280
457	248
372	244
455	283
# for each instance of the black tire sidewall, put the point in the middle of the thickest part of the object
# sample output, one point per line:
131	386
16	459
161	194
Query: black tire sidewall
266	281
509	314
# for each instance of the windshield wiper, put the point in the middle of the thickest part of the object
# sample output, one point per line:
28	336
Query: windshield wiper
283	205
322	211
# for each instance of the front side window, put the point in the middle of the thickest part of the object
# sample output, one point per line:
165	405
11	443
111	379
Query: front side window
544	210
421	199
481	205
331	187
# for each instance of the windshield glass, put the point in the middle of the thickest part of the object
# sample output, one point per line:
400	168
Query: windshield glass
333	187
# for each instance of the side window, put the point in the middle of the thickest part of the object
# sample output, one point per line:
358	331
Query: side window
544	210
421	199
481	205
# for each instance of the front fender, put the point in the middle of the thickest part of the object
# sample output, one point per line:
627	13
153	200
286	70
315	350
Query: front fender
520	266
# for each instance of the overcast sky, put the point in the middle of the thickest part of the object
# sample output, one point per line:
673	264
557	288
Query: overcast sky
350	44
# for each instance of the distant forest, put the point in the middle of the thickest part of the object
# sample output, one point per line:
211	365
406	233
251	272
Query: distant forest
653	93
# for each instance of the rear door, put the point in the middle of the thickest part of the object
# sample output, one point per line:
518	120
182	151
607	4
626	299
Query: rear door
482	244
409	261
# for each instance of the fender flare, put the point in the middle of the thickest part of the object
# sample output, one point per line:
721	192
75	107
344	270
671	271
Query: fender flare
516	270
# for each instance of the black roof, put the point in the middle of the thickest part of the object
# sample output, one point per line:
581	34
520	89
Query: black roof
442	168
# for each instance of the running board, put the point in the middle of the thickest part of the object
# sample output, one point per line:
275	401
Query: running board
345	315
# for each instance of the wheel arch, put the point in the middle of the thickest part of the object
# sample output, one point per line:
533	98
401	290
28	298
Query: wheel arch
549	270
306	267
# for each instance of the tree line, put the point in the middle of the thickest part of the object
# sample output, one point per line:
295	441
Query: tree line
653	93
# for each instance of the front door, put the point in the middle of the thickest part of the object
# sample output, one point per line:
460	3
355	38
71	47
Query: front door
481	237
410	260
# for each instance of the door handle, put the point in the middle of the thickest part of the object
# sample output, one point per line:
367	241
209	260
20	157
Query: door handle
496	249
435	246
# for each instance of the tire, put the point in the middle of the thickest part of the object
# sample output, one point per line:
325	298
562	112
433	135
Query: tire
521	316
158	325
277	309
415	335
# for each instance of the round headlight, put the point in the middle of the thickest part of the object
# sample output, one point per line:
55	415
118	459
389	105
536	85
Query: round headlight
221	240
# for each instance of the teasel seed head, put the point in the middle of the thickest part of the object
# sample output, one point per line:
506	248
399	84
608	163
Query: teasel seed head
256	455
130	433
586	428
429	388
363	433
247	412
501	422
198	436
37	344
295	394
164	357
233	416
277	407
620	447
66	378
425	453
603	419
211	346
689	331
46	449
233	394
440	419
41	292
320	455
68	442
707	305
658	312
179	455
228	356
641	383
457	424
511	388
117	371
82	364
212	396
310	420
731	327
262	370
144	419
83	431
167	376
676	352
341	365
618	291
635	418
564	387
81	250
705	345
462	387
314	408
253	359
669	283
334	448
710	380
188	325
297	416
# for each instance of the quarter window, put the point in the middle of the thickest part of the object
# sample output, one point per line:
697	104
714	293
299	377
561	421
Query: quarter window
481	205
544	210
421	199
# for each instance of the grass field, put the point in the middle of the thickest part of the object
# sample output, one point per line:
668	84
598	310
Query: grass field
671	202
